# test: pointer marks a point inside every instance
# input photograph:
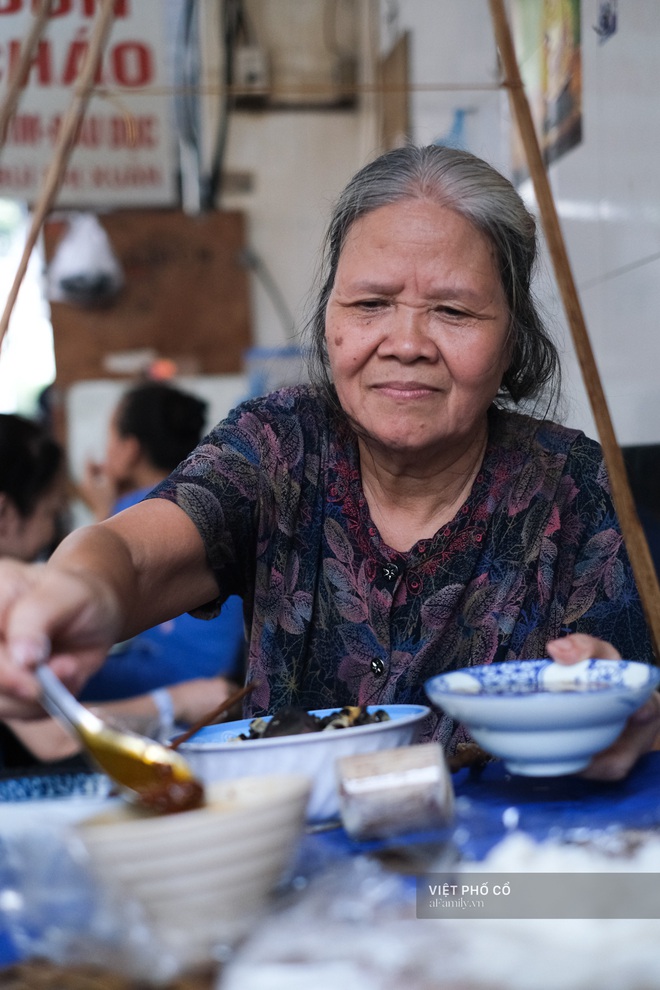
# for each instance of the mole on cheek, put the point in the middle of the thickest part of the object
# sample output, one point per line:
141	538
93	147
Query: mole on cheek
339	340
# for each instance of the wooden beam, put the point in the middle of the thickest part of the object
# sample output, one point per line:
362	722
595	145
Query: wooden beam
631	528
66	140
18	78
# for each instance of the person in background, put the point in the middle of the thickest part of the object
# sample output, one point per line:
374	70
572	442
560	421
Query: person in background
399	516
152	429
32	502
32	488
32	505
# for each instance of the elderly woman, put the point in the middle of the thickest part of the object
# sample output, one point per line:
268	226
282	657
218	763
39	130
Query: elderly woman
391	520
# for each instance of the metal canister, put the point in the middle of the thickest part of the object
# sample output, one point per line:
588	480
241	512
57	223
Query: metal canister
394	791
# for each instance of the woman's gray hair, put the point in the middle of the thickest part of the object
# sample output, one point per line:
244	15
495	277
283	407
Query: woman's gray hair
478	192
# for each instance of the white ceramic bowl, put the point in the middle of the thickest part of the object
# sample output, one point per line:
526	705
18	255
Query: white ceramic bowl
543	718
201	876
215	753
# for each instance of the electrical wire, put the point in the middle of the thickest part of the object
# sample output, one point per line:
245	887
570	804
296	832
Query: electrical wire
249	258
186	71
236	26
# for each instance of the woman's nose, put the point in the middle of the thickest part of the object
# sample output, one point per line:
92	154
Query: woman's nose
408	338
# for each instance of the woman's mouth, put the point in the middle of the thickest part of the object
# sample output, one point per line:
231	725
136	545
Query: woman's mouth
405	390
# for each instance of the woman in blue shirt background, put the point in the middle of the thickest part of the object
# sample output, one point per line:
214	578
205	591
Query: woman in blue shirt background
153	428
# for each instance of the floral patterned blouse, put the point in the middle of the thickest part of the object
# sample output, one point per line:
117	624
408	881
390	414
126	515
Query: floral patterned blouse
335	616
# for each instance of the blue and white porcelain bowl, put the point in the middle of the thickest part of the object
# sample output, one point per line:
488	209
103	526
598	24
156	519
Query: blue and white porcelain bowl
215	753
543	718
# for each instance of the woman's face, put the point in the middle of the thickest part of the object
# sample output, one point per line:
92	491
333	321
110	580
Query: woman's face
120	454
416	328
26	537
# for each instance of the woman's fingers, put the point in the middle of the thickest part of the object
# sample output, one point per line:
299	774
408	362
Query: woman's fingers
48	614
641	729
579	646
19	692
638	737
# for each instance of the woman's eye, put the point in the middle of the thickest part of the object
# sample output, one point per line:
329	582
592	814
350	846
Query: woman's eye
370	303
451	311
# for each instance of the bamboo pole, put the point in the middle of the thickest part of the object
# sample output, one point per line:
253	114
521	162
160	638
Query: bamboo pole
633	534
66	140
17	81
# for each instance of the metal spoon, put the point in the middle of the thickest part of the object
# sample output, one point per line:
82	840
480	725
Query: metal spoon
145	770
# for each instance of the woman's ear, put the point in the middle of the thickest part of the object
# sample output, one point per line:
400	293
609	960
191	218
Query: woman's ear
508	356
132	450
126	458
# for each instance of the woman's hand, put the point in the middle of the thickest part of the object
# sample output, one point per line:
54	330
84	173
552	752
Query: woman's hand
194	699
579	646
66	617
642	730
103	584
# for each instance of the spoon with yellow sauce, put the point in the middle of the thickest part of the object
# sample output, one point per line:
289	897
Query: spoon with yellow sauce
146	772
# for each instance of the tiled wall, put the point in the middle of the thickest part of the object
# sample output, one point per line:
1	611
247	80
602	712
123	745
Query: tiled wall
608	196
607	189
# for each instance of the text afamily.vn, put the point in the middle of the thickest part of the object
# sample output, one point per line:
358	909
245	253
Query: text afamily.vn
461	903
442	890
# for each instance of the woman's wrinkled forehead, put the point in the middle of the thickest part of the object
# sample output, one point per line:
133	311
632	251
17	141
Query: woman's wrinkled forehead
434	197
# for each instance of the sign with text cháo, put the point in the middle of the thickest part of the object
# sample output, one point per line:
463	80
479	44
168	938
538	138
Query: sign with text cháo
125	154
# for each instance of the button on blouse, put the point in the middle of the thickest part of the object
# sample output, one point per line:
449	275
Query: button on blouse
390	572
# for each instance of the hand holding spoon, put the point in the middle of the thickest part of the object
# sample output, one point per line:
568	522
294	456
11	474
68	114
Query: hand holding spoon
147	772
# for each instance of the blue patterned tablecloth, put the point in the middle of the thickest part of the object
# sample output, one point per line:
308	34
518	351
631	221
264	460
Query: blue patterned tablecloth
548	806
492	801
53	786
43	788
8	952
488	805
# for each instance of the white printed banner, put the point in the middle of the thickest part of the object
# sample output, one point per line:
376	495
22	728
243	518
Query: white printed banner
125	153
